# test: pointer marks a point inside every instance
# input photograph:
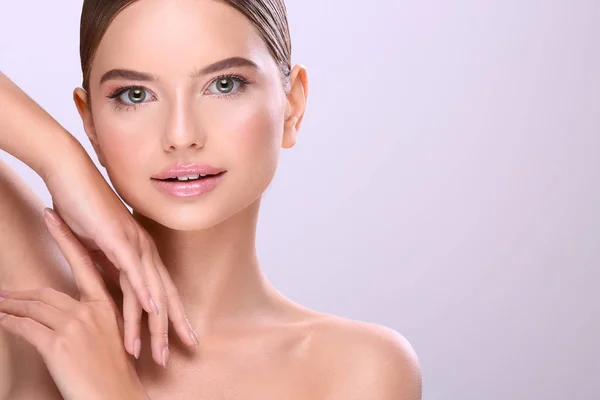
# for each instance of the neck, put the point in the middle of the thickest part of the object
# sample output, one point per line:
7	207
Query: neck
216	270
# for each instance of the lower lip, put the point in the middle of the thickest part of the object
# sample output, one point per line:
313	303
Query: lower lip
188	189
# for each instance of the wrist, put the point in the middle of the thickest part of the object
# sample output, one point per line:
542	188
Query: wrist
66	152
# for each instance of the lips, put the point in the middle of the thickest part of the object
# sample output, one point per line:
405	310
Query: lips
187	170
190	178
190	188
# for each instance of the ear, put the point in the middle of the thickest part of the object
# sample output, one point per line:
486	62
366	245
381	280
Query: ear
85	112
295	105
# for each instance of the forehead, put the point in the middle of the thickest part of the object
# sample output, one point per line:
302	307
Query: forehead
175	37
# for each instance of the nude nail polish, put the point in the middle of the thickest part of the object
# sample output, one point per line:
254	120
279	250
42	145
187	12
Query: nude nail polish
194	337
154	305
137	348
193	334
165	356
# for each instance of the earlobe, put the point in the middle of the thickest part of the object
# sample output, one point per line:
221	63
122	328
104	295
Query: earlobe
290	133
296	105
81	103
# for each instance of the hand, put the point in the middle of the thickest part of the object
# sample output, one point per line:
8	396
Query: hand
80	341
122	249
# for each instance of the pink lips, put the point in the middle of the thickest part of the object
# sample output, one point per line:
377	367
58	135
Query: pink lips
188	169
190	188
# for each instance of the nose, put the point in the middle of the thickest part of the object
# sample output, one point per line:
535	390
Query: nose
181	132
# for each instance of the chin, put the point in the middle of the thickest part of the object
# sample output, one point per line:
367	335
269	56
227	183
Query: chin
198	217
190	223
184	218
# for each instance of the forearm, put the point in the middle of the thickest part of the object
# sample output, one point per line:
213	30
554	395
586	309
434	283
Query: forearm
29	133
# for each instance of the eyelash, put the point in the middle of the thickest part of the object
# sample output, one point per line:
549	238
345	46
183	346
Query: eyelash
117	92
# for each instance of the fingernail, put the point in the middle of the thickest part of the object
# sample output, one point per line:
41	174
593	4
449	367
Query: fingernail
51	216
194	336
165	356
154	305
137	348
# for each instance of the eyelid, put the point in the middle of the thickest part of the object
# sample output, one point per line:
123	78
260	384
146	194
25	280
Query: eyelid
117	92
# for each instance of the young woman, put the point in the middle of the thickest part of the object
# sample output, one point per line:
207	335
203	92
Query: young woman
187	104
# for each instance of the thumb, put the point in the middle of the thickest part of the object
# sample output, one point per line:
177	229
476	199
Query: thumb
88	279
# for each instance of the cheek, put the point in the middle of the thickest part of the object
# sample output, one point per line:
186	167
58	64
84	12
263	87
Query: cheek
253	133
125	151
249	144
119	137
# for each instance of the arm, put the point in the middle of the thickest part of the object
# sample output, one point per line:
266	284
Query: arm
29	133
96	215
79	340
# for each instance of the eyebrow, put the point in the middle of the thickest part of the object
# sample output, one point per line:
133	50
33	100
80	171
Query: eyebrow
209	69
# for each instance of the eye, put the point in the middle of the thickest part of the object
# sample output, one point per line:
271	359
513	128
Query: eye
133	95
227	84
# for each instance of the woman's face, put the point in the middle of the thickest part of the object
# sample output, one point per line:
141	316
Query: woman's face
179	115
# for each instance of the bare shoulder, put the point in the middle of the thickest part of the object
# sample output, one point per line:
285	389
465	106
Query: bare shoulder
363	360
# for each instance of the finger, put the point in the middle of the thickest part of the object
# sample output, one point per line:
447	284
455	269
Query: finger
157	324
50	296
177	315
38	335
132	317
106	267
88	279
126	258
36	310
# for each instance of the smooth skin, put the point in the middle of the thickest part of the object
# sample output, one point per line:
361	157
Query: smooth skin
62	328
254	342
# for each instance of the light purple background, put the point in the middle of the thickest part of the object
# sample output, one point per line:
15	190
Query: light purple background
445	183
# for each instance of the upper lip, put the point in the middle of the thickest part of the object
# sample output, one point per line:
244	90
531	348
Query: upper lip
187	169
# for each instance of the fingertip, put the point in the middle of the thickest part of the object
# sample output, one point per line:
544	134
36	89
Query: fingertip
52	217
154	305
137	346
195	339
192	336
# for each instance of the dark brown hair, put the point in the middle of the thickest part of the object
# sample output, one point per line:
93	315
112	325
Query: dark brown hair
268	16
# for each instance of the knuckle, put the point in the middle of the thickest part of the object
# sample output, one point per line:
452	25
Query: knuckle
86	260
169	289
30	307
84	313
59	345
158	330
164	297
133	322
45	293
143	241
10	322
134	236
73	327
64	232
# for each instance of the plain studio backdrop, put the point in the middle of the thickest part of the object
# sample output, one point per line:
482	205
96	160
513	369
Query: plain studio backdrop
446	181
